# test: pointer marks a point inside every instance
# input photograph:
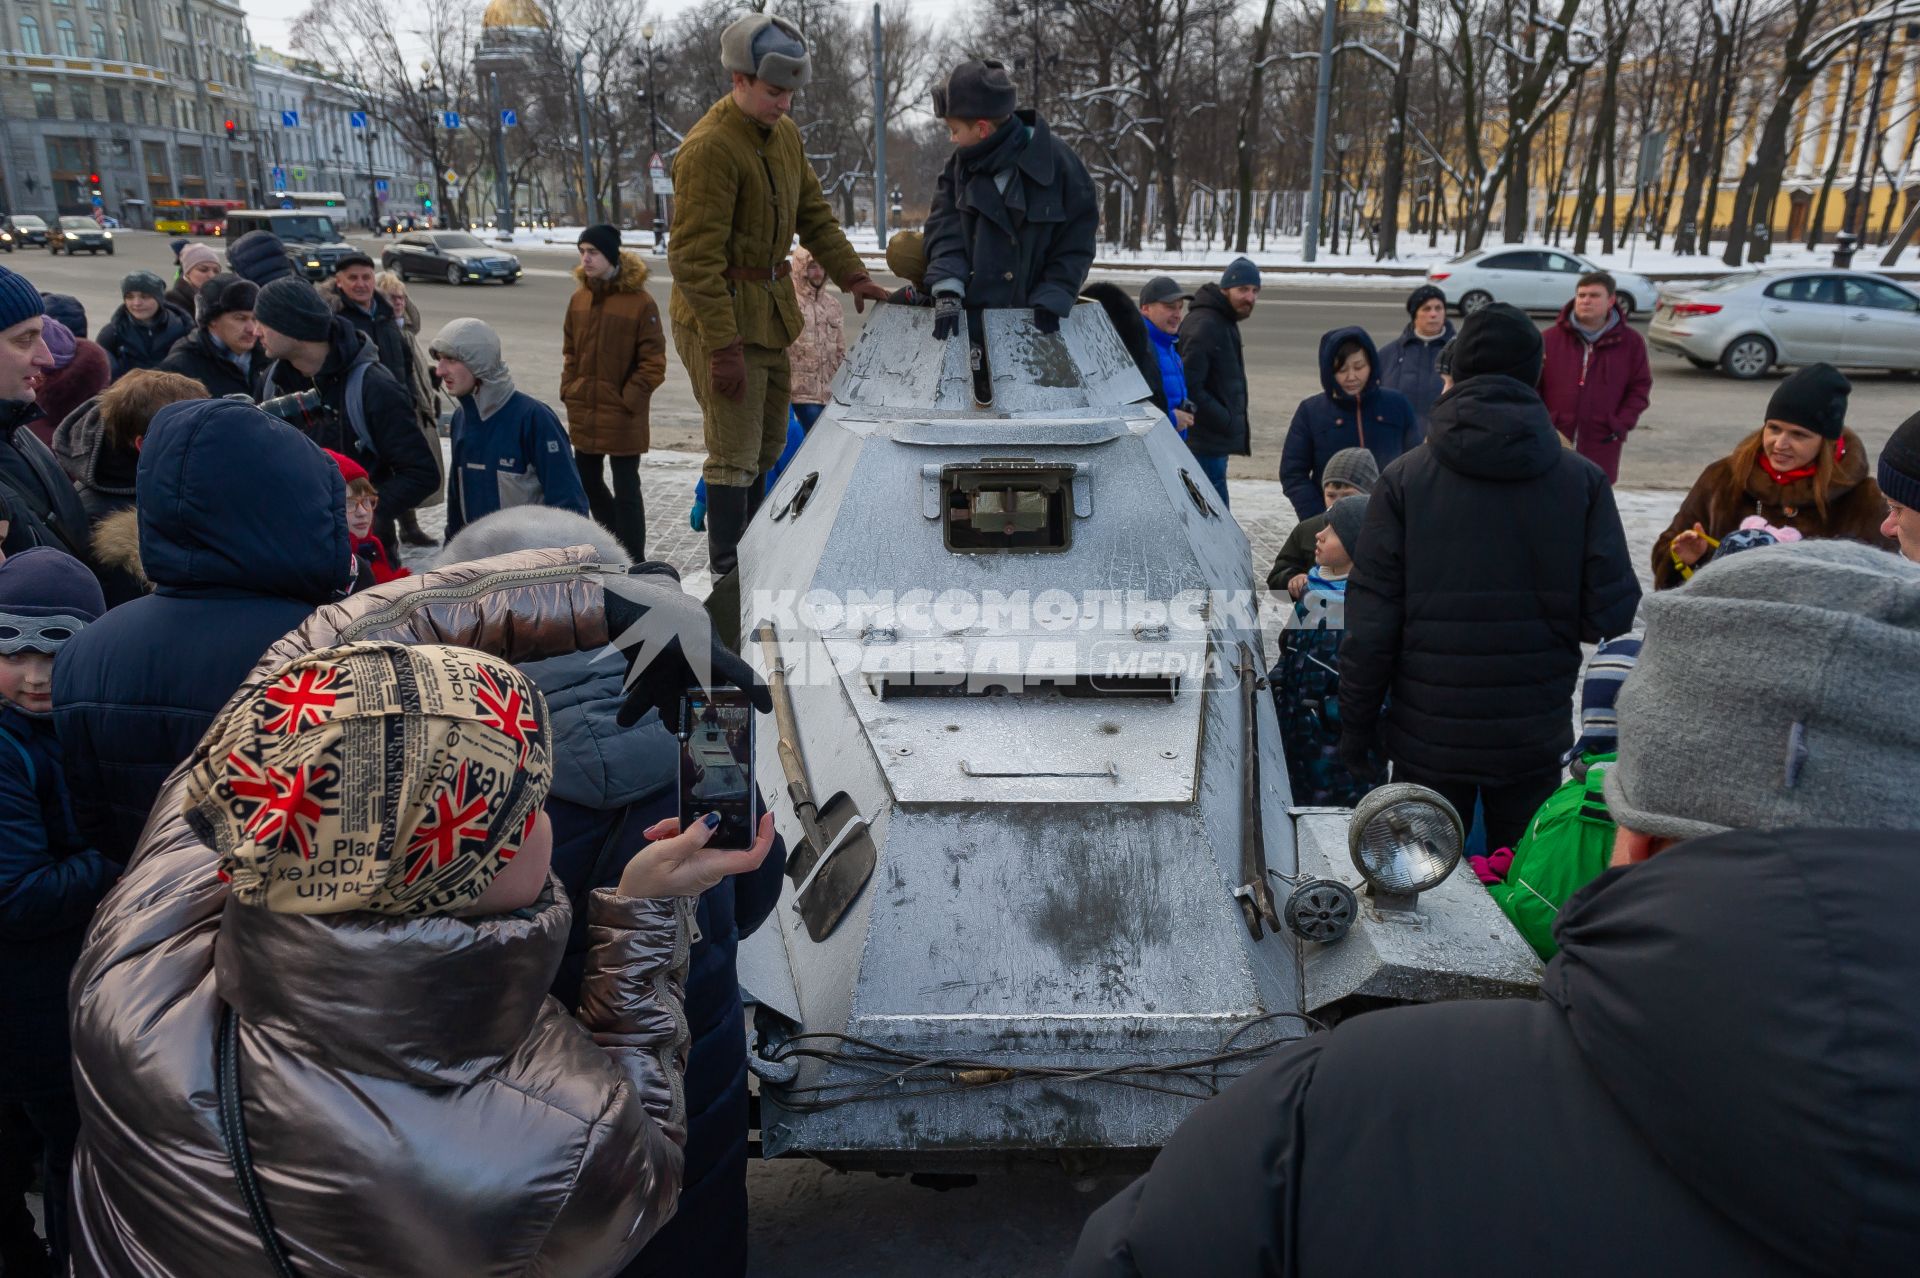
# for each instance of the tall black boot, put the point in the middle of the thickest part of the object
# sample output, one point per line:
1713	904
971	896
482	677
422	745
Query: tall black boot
727	516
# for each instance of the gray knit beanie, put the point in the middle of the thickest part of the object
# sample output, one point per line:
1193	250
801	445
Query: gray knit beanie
1355	466
1775	691
1347	517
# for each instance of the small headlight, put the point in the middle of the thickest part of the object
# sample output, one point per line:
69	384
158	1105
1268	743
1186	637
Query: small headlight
1405	840
107	234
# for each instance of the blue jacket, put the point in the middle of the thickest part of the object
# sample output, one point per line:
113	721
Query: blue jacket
520	456
609	784
243	532
1408	365
1173	375
50	880
1382	422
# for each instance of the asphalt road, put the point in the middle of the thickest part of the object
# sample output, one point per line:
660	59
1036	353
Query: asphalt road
1695	417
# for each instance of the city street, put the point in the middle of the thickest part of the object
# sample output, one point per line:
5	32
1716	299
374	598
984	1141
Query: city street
1695	417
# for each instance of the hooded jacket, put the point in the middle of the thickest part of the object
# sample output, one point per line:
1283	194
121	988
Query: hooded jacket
196	356
1596	390
1020	240
1379	420
816	353
609	785
508	447
102	475
50	880
415	1103
403	469
132	343
63	390
1717	502
613	356
243	532
1659	1111
1488	557
1216	375
1409	364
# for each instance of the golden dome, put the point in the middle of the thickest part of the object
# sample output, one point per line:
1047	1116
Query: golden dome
514	14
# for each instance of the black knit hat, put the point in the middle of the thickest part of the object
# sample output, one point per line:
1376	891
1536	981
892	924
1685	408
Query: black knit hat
604	237
259	256
224	294
1900	464
1814	397
295	308
1421	296
1498	338
66	308
976	90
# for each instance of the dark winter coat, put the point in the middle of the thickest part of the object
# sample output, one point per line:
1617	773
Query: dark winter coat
1030	244
196	356
184	295
1216	375
243	531
1138	337
63	390
1488	557
1719	502
1380	421
1296	552
1409	364
517	457
609	785
1596	391
46	510
131	344
382	327
104	477
401	467
1718	1080
50	880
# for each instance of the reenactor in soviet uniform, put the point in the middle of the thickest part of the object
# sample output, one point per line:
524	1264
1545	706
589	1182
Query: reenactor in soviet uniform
744	188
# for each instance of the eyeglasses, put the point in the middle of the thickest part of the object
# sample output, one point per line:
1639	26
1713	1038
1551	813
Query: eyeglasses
363	503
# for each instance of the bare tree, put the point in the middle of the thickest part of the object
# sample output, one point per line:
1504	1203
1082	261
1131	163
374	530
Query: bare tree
1760	183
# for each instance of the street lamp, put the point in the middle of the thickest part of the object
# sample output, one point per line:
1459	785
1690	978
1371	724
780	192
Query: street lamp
1341	143
653	141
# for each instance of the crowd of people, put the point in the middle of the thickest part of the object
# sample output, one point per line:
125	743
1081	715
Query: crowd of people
320	877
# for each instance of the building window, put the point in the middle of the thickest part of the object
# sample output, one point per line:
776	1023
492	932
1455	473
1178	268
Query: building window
30	36
96	4
126	46
82	97
63	39
43	106
116	111
139	106
62	3
97	36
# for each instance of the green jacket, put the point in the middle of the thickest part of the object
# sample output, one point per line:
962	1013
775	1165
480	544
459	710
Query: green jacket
1566	846
741	191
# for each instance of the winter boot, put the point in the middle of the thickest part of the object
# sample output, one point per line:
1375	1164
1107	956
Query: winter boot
728	510
410	531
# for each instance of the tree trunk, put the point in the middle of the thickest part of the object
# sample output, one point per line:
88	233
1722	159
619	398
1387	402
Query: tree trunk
1703	156
1760	184
1566	160
1243	134
1394	172
1841	119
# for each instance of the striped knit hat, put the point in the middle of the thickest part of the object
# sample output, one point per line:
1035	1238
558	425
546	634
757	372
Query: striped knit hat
1607	669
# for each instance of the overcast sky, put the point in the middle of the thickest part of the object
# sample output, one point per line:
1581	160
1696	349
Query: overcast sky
270	19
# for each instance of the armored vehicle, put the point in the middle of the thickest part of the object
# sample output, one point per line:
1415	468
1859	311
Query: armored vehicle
1047	889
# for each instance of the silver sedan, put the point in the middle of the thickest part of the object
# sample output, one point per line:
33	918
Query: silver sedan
1750	321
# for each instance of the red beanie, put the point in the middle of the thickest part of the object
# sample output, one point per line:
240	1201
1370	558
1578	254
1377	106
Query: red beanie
350	469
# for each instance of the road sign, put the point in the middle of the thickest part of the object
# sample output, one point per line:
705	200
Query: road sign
1653	145
96	201
299	175
657	171
358	119
451	177
286	202
279	177
419	188
380	185
450	118
509	117
290	119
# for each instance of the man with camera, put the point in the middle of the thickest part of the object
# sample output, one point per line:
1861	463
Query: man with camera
360	410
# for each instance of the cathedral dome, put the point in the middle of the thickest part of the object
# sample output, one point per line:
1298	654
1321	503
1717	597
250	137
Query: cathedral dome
514	15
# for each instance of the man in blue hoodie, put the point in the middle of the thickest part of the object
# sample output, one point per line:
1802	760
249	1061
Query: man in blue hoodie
509	449
1353	411
1161	303
243	532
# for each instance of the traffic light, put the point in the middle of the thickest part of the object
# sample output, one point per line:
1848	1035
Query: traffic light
426	202
229	130
93	179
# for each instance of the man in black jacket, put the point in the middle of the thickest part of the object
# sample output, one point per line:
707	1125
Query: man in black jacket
1719	1078
351	293
1014	218
1488	558
43	508
311	346
222	352
1217	371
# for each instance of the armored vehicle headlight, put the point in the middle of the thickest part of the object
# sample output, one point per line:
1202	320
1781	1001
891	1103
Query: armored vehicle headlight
1406	840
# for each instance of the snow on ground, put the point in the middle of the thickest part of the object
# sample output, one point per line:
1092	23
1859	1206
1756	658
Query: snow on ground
1355	269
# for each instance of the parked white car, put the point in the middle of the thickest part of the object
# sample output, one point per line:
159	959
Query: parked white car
1750	321
1532	277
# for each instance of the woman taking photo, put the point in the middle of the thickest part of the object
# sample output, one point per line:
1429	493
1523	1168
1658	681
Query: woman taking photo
1803	469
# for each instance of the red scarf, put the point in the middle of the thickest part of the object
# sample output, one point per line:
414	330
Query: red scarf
1798	472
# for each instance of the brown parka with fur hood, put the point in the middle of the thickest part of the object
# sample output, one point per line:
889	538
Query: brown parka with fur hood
613	356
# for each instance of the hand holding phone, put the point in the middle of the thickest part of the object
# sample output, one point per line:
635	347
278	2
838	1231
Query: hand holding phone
716	765
680	863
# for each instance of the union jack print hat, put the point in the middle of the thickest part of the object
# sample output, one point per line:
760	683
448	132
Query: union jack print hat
376	776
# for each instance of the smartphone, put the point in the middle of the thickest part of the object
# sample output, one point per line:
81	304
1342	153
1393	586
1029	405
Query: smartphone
716	765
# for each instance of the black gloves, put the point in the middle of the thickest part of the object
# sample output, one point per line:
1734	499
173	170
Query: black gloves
1046	321
667	638
1357	754
946	315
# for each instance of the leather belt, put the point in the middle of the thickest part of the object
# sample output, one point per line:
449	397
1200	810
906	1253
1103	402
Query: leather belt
765	274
